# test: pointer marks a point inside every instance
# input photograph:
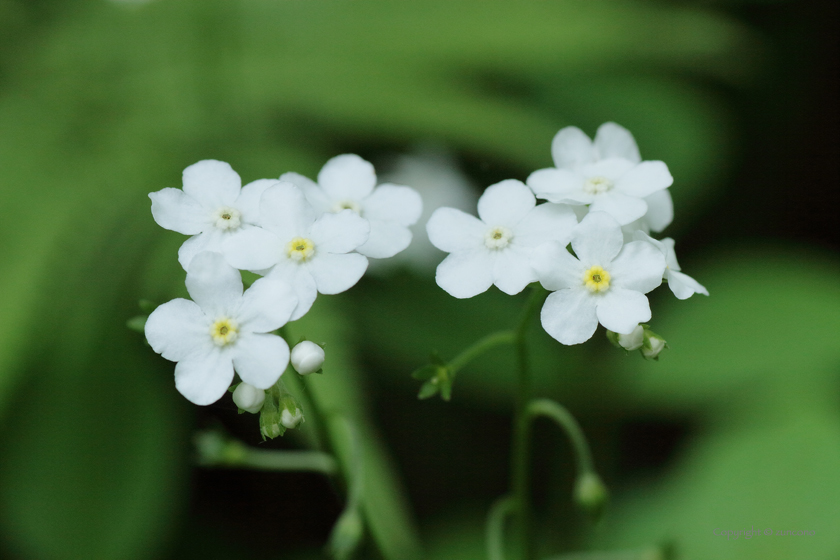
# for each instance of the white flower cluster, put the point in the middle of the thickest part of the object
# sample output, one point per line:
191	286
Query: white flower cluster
619	200
303	237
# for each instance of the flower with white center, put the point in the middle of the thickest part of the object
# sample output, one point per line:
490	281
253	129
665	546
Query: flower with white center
496	249
222	330
248	398
310	254
307	357
213	207
607	174
606	283
348	182
683	285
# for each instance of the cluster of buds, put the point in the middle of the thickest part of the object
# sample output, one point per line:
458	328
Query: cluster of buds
641	338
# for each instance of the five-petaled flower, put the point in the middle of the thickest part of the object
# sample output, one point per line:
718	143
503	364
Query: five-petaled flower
348	182
606	283
607	174
496	248
222	330
213	207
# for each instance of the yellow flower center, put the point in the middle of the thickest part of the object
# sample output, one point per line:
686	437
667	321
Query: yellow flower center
223	331
300	249
227	218
597	185
597	279
498	237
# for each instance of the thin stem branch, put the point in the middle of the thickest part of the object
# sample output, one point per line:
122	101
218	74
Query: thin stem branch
566	422
217	450
480	347
499	511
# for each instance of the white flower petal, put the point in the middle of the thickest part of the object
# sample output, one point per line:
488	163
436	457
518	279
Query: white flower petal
176	329
639	267
203	377
645	179
249	199
624	208
569	316
613	169
453	230
212	183
660	212
512	271
210	240
347	177
260	359
393	203
466	273
266	306
615	141
213	284
285	211
571	148
300	181
683	285
339	233
556	268
505	203
386	239
253	248
621	310
546	222
597	239
667	248
299	279
334	274
175	210
559	185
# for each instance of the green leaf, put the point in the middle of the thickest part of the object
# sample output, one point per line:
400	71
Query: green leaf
428	389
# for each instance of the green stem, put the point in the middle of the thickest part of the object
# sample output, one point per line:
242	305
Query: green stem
480	347
566	422
500	510
217	450
521	441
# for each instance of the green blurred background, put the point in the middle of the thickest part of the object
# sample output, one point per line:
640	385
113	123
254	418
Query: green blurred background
738	425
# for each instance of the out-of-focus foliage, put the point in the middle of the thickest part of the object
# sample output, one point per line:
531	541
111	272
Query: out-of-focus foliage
101	103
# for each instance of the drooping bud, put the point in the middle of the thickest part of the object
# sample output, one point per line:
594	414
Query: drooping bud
653	345
591	494
291	414
628	342
248	398
307	357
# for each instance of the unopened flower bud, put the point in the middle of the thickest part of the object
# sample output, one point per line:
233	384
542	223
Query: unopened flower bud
591	494
248	398
307	357
290	413
653	345
634	340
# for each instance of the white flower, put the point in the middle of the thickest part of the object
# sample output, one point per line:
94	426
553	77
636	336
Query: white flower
307	357
683	285
347	182
248	398
606	283
222	330
496	249
308	254
212	207
607	174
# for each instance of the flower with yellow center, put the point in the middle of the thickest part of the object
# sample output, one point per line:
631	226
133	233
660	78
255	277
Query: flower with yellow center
300	249
223	330
596	279
610	292
597	185
498	237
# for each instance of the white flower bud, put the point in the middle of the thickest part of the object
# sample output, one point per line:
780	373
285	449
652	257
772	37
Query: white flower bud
307	357
634	340
291	420
653	345
248	398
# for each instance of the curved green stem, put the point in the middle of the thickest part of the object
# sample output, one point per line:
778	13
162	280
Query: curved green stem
216	450
480	347
499	511
566	422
